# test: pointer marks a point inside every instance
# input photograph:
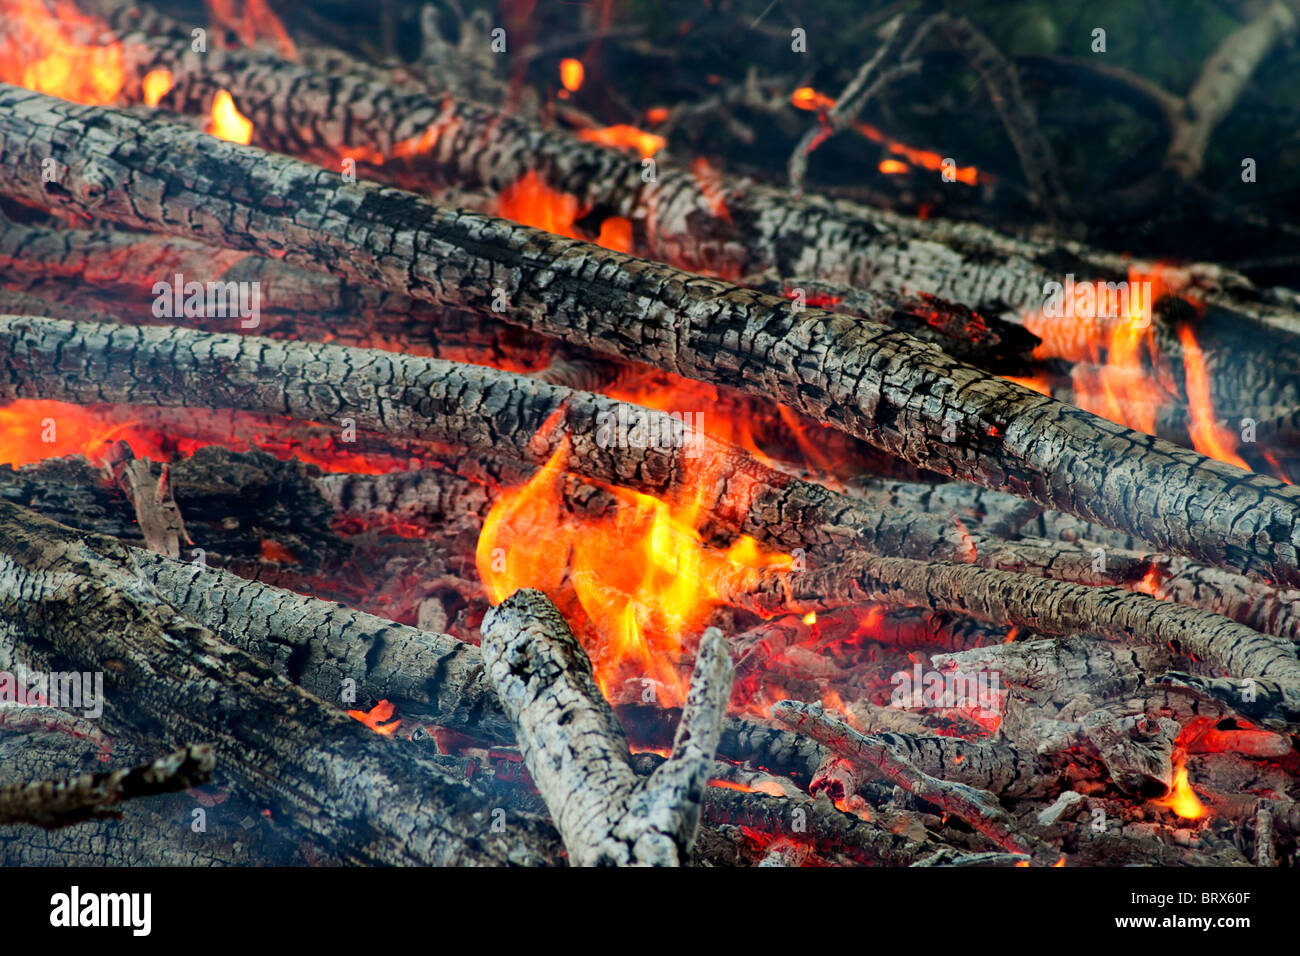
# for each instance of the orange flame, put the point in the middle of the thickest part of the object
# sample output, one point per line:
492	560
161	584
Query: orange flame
227	122
893	167
634	584
1207	437
1037	383
1128	380
375	718
624	136
571	74
1182	798
156	85
53	48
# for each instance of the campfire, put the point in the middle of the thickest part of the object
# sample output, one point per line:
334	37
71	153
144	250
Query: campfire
438	449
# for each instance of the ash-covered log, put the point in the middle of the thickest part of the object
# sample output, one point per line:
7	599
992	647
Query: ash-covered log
577	751
75	600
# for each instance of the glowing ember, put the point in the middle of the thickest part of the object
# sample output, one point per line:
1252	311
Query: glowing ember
710	184
1182	798
623	136
375	718
32	430
635	584
571	73
616	234
156	85
275	551
806	98
53	48
227	122
532	202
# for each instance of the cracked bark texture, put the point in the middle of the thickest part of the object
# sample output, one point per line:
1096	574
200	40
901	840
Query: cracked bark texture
318	644
575	748
112	273
75	600
876	383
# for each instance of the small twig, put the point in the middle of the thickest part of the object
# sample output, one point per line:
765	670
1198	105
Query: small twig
1018	117
58	803
904	35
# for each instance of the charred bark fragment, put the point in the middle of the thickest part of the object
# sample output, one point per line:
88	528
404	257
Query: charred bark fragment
876	383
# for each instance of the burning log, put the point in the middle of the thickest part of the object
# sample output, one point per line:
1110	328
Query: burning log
463	406
868	381
73	598
114	273
59	803
1048	606
425	140
576	750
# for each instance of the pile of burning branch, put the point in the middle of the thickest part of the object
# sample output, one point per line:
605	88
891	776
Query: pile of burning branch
425	483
